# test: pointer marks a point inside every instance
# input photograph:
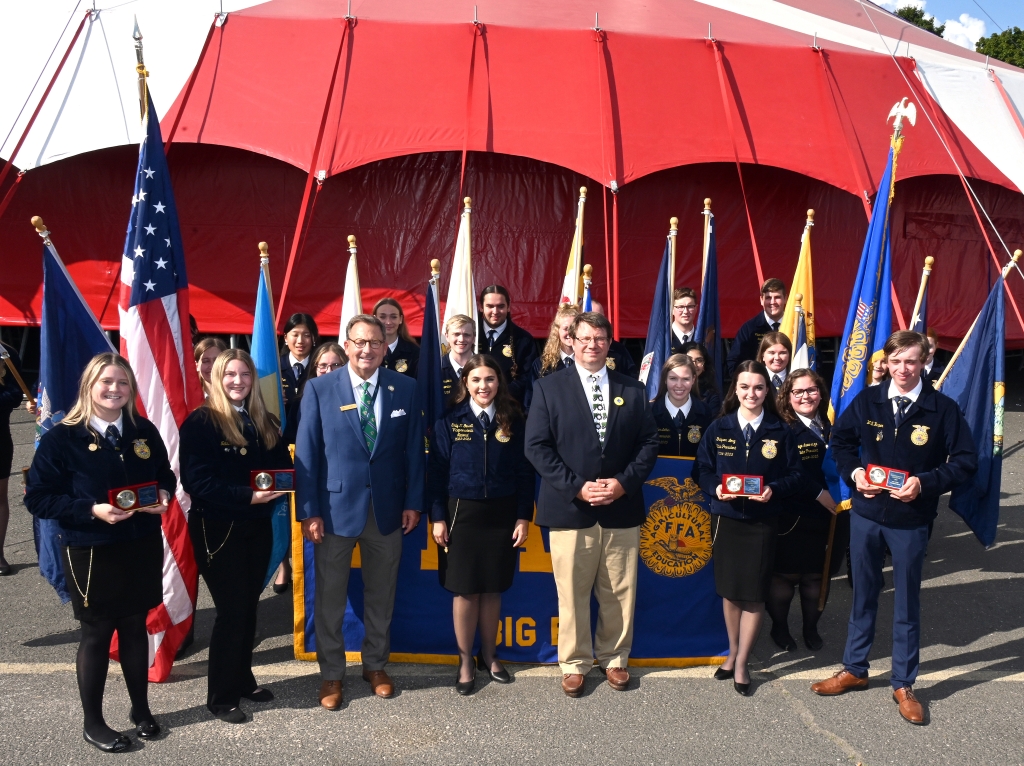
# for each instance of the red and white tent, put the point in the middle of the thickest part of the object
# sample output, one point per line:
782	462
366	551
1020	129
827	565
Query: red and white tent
407	106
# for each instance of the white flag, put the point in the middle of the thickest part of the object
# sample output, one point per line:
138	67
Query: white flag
352	298
462	288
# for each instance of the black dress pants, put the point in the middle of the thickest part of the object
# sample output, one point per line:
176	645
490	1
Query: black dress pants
234	575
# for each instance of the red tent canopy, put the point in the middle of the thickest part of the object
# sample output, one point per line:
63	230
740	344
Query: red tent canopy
386	103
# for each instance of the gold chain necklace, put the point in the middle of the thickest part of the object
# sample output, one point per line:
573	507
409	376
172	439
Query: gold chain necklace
209	556
88	578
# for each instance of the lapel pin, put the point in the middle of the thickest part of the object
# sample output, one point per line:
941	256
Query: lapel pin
619	400
391	388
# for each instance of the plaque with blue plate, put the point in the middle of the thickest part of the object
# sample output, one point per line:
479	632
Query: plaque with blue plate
136	496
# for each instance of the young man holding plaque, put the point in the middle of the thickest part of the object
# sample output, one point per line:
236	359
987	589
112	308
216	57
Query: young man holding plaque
104	475
359	479
592	438
233	461
920	440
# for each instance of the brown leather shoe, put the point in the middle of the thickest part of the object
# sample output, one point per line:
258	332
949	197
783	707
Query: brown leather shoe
910	708
840	682
330	695
618	678
380	682
572	684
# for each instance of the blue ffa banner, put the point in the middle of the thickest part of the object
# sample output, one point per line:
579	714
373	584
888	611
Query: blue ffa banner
678	616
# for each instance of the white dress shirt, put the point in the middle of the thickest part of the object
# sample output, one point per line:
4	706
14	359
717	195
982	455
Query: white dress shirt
683	337
455	365
99	425
771	321
293	361
392	346
357	391
911	395
565	356
672	409
496	330
782	376
755	423
477	409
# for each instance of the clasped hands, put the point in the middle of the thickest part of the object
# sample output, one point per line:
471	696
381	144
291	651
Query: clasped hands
601	492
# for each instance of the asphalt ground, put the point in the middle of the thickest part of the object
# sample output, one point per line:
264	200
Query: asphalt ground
972	680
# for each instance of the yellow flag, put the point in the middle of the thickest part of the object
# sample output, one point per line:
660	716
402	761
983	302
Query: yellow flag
572	285
803	284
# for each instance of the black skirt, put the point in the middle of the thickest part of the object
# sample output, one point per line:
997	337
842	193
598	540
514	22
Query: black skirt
127	578
802	541
6	445
480	558
743	552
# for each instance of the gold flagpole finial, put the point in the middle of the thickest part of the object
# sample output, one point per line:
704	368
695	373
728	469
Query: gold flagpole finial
467	203
583	191
673	226
929	262
41	227
810	217
588	273
799	298
707	204
352	243
264	252
435	268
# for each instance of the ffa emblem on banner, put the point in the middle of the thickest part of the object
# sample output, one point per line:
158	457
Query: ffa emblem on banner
919	436
401	365
675	541
142	449
609	363
694	435
768	448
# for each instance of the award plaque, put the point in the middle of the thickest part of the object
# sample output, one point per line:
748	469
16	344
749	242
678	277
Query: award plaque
742	485
886	478
273	481
136	496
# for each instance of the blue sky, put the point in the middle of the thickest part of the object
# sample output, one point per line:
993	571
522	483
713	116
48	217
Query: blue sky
967	20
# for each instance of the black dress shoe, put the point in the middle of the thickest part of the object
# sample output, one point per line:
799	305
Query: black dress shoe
118	744
724	675
742	689
5	568
281	587
812	640
145	728
784	641
260	694
501	676
464	688
229	715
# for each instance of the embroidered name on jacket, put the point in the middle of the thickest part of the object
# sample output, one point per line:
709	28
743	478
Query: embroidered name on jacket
462	432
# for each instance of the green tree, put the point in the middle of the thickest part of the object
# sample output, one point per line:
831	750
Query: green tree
1005	46
917	16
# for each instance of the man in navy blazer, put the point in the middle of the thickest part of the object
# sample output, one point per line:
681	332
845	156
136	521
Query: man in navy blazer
591	436
359	479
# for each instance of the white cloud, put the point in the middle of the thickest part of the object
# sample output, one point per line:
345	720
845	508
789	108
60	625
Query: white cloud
892	5
965	32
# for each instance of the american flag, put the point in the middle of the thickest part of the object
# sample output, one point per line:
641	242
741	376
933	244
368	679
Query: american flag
156	340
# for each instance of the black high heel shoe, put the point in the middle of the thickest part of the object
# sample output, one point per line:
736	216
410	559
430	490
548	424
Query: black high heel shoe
119	744
501	676
145	728
724	675
812	640
783	640
742	689
465	688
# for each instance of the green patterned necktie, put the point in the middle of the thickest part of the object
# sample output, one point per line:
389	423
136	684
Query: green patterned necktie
366	418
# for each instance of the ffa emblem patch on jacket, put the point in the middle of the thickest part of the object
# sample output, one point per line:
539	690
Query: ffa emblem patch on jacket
507	351
609	363
919	436
693	436
143	451
769	448
401	365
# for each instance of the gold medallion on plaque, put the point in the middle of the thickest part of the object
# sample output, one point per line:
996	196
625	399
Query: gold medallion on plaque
675	540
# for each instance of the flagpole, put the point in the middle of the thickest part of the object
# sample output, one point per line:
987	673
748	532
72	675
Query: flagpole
435	281
925	273
707	226
1006	270
578	255
467	211
140	67
588	280
673	232
264	249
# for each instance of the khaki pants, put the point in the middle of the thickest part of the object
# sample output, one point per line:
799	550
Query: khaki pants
602	561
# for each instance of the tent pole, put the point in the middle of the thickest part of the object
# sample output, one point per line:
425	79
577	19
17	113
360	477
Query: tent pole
311	176
607	251
31	121
615	261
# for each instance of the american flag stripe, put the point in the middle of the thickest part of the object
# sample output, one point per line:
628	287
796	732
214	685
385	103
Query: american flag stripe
154	338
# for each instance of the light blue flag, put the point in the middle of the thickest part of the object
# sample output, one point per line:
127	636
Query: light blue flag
869	320
268	370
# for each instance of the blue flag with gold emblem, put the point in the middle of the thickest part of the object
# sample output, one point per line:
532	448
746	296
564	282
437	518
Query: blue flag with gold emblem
709	318
975	380
659	328
869	320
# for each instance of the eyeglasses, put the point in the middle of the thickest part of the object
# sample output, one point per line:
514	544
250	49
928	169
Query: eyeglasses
596	340
802	392
360	343
686	307
328	367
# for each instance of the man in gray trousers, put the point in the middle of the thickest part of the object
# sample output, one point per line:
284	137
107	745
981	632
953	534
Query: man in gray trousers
359	473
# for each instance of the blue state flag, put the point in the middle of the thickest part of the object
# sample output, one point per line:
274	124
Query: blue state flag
659	339
869	320
428	374
70	336
268	371
976	382
709	318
